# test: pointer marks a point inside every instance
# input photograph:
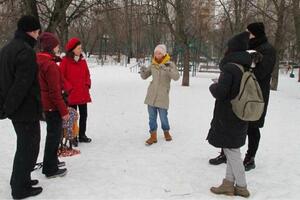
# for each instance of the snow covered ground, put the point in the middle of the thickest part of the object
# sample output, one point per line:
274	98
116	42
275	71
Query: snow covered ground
117	164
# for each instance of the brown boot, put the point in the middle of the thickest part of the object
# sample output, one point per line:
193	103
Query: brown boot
241	191
152	139
168	137
226	188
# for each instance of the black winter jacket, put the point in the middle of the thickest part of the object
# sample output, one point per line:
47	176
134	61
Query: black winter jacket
227	130
263	72
19	87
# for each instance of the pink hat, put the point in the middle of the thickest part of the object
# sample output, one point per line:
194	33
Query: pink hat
161	48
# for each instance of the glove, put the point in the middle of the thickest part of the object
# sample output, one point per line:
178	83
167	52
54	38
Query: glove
168	64
143	69
166	67
255	56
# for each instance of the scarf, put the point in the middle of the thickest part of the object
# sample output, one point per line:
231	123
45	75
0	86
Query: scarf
166	59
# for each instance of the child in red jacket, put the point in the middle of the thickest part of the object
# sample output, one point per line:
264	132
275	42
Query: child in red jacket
53	104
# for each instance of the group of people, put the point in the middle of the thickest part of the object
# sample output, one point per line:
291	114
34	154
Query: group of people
227	131
34	83
34	86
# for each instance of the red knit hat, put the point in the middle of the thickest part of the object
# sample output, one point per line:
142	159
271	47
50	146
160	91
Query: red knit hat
72	43
48	41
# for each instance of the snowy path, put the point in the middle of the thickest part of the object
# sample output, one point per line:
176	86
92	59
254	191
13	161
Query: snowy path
117	164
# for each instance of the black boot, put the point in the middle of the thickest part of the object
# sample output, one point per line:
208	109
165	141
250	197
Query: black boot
219	159
59	173
85	139
33	182
249	162
28	192
61	163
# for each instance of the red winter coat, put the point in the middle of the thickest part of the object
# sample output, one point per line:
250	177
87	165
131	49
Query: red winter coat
51	84
77	81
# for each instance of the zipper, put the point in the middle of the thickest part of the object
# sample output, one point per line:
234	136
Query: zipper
157	87
246	106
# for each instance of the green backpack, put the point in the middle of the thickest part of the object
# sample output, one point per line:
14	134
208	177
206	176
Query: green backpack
249	104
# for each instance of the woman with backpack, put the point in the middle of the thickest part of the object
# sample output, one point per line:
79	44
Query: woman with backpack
263	70
227	130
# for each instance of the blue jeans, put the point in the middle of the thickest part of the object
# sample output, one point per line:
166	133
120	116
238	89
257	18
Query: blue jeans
163	115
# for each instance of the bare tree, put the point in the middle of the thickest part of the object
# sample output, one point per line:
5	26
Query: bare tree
134	27
9	9
296	14
236	12
177	25
31	8
281	8
58	14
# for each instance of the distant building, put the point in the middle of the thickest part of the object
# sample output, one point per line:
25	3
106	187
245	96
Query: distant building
204	11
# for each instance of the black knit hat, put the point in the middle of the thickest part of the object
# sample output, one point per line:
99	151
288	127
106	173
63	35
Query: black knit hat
28	23
239	42
257	29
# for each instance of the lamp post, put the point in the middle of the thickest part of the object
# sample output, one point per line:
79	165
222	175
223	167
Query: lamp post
105	38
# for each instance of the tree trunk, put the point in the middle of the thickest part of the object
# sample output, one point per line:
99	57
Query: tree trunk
296	13
31	8
278	44
119	56
186	66
58	15
114	32
183	39
128	21
95	43
299	75
64	30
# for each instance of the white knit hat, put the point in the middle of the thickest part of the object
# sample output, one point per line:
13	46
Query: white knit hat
161	48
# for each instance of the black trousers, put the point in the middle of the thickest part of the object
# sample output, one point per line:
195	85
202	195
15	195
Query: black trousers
82	119
28	146
253	141
54	133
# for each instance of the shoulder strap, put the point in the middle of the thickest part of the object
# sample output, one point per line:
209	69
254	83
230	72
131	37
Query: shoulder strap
239	66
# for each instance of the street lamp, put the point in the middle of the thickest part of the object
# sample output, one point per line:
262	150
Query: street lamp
105	38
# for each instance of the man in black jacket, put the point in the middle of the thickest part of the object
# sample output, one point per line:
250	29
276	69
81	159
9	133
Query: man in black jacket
20	102
263	70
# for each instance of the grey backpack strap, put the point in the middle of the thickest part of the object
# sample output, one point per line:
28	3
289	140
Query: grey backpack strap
239	66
